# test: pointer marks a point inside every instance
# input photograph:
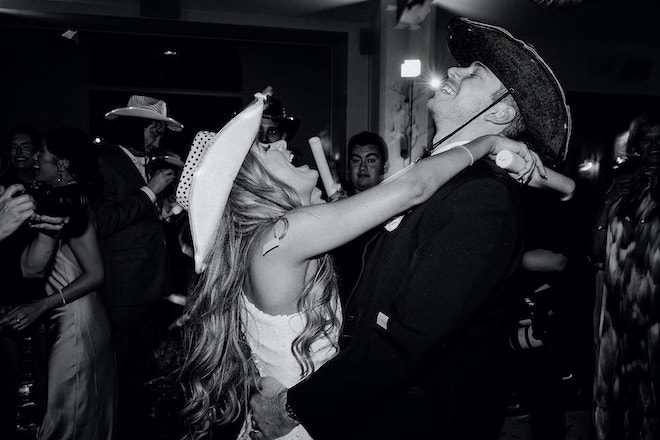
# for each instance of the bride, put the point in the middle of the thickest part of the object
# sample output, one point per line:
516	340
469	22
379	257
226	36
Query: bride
266	301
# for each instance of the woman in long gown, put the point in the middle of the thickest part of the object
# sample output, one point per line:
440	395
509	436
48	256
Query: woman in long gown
266	302
81	374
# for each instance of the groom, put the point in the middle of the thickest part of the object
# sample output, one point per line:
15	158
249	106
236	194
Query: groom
427	321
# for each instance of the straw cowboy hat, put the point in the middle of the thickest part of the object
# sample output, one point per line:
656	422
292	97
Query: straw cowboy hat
147	108
530	80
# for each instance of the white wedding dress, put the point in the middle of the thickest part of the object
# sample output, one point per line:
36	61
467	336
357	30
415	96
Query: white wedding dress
270	338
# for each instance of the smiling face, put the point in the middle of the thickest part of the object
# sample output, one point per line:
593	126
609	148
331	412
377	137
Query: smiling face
46	167
276	158
648	146
21	151
465	92
367	167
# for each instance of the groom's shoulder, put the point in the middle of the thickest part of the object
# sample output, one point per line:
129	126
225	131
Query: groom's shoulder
483	177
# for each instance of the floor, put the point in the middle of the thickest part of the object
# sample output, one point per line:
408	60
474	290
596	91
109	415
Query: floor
577	405
166	399
164	393
578	426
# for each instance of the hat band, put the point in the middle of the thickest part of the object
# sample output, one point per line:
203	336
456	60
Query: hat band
429	149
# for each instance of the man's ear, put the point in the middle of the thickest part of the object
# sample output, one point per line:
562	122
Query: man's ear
386	167
500	114
155	127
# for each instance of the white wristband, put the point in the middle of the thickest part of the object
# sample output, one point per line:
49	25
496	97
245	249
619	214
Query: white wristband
469	153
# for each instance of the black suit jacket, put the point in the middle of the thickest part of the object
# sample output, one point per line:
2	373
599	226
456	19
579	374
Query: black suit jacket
427	321
131	235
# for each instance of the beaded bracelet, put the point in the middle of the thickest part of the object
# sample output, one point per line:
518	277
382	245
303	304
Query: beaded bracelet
289	410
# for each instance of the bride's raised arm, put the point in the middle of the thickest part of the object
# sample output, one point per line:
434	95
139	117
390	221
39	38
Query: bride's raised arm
319	228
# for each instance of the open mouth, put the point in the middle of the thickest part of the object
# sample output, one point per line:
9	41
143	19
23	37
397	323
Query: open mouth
446	89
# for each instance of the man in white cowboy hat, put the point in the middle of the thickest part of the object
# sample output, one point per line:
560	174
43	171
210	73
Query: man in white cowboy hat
133	246
426	325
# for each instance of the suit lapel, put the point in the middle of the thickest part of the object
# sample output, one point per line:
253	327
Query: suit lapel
126	166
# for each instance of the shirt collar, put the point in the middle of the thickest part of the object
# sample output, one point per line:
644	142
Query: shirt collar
133	157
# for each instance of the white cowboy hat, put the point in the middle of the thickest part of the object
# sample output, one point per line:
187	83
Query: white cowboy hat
209	172
148	108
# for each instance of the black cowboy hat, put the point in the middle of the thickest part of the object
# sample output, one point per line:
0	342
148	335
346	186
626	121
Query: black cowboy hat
532	83
274	109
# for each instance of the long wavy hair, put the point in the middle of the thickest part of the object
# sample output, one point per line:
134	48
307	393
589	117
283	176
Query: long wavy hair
218	372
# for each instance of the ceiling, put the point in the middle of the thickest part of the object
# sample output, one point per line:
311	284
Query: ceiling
634	21
606	20
629	20
602	36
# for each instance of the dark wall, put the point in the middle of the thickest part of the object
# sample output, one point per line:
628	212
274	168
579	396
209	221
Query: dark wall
45	80
51	81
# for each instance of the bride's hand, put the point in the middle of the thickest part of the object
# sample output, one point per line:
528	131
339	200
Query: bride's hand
532	164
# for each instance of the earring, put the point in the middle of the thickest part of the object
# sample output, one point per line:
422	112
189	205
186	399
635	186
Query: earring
279	231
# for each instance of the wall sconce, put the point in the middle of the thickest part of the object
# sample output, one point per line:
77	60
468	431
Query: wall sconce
411	68
71	34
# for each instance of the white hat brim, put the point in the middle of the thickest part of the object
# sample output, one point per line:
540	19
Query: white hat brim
138	112
214	176
170	159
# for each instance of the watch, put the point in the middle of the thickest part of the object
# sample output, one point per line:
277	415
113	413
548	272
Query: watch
289	410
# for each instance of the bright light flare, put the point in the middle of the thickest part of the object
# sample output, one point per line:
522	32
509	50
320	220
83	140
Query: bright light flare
435	83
